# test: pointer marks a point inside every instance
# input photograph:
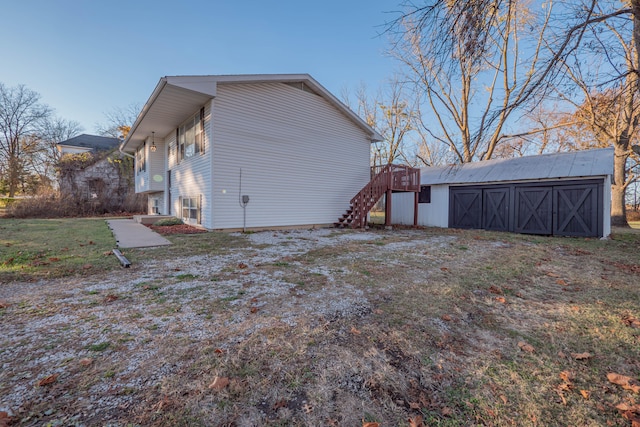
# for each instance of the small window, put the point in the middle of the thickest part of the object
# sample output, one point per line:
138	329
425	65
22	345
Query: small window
155	206
425	194
140	159
191	209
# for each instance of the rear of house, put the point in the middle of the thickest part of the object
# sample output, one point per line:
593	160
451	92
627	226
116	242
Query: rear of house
564	194
287	145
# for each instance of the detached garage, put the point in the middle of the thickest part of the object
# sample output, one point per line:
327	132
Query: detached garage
564	194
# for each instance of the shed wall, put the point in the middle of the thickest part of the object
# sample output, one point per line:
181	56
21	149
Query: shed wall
434	214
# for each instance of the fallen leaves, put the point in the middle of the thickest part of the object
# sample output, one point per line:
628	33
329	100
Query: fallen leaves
5	419
219	383
631	321
242	265
415	421
495	290
630	413
85	361
4	304
501	300
581	356
48	380
566	385
370	424
110	298
526	347
625	382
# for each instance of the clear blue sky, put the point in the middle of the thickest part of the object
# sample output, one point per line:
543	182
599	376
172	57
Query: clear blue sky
87	57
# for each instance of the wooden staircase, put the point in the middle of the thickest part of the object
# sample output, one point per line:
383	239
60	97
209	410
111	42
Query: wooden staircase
384	180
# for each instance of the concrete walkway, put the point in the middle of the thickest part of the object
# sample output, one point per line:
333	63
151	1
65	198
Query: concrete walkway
130	234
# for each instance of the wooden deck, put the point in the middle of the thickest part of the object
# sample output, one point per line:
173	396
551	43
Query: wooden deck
384	180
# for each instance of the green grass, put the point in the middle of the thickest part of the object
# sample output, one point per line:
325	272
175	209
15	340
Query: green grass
36	248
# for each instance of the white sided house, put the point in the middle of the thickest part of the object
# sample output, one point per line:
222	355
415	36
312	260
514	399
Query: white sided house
564	194
248	151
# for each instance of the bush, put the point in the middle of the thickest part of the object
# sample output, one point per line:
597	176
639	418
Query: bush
633	215
6	201
168	221
52	205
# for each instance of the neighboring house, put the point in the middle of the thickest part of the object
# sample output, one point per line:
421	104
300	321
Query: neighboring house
567	194
249	151
101	177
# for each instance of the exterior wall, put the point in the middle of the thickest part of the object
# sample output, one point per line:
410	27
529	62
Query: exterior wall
68	149
152	178
301	159
151	200
434	214
191	177
103	183
606	198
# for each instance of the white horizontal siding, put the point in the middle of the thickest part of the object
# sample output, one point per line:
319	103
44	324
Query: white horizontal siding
301	159
434	214
192	176
142	177
155	165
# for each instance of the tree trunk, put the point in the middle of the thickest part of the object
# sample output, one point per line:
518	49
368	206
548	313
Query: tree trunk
618	208
14	175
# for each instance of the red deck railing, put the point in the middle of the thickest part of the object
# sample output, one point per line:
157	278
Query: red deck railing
383	178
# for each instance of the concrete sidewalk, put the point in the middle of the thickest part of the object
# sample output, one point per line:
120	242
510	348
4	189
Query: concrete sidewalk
130	234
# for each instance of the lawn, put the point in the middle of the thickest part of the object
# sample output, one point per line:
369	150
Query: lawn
398	327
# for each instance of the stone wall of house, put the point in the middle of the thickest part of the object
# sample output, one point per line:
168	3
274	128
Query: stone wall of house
102	186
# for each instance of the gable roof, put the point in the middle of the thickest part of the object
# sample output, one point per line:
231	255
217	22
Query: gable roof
576	164
176	97
94	142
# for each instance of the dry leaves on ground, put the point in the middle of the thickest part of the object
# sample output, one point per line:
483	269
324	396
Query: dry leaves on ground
526	347
219	383
625	382
48	380
581	356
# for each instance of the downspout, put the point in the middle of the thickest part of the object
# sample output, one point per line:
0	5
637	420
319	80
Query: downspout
122	152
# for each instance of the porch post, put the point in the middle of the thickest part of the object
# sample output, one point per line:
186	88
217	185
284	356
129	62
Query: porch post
387	209
416	197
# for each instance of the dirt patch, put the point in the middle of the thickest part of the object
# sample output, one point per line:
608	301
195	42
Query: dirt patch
327	327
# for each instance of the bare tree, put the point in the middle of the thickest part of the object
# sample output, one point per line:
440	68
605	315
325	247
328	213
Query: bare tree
608	105
476	63
21	116
390	113
118	121
44	154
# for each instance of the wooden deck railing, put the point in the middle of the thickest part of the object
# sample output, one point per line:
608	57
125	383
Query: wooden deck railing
383	178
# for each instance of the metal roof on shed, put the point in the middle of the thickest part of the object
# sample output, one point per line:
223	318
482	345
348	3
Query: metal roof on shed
575	164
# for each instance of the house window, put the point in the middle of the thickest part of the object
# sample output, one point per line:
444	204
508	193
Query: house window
155	206
191	209
190	136
425	194
140	159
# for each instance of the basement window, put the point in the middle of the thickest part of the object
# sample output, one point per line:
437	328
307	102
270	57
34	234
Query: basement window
425	194
191	209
